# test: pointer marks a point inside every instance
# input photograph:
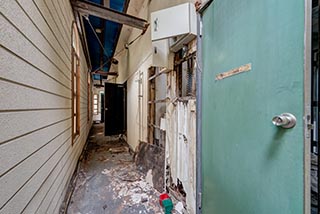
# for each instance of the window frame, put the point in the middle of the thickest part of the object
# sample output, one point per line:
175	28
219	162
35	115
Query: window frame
96	97
186	77
75	82
89	98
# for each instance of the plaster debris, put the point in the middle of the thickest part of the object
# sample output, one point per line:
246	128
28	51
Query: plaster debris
144	199
109	181
137	198
119	149
105	172
133	188
179	207
149	177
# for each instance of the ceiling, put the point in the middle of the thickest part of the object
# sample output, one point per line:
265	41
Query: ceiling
108	33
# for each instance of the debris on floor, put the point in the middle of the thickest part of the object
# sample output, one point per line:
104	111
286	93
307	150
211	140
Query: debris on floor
108	180
179	207
130	186
119	149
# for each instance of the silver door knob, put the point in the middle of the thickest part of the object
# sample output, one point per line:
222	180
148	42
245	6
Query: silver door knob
285	120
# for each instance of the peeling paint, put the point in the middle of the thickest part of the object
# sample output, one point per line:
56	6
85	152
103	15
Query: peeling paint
181	144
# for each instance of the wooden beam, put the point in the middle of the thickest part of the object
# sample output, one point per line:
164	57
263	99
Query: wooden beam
103	73
97	10
154	126
159	101
151	107
162	71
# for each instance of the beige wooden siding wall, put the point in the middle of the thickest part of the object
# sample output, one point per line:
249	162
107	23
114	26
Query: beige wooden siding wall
37	158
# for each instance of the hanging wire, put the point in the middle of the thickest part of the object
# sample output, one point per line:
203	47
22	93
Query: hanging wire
88	20
126	47
109	59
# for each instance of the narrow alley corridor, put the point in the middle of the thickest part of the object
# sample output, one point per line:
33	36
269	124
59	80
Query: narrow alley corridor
159	107
108	180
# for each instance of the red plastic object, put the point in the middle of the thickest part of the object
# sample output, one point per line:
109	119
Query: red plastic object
163	197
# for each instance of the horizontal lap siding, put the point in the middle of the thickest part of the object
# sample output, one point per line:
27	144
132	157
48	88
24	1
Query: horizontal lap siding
36	153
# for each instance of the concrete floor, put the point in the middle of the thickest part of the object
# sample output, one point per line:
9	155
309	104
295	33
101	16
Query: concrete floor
108	180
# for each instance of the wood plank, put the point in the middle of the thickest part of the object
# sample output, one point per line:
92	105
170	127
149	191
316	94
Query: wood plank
24	195
65	33
18	150
17	72
97	10
61	15
17	97
154	126
17	124
14	13
63	176
159	101
37	77
162	71
46	30
22	47
46	14
151	108
15	180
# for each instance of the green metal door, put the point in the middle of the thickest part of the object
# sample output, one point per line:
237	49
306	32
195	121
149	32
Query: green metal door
250	166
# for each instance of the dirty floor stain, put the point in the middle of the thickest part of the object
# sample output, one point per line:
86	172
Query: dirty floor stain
108	180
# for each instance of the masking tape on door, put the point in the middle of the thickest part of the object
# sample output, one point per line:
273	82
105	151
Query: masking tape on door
241	69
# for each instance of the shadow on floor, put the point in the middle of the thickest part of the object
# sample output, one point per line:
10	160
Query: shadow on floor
108	180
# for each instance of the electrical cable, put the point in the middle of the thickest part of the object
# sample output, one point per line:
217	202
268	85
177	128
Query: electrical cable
109	59
126	47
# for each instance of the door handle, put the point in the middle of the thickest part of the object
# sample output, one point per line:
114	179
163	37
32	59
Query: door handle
156	23
285	120
106	109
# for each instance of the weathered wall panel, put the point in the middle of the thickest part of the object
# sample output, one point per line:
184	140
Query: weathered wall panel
36	153
135	61
139	57
181	143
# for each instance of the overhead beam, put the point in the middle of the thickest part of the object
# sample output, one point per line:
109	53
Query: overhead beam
103	73
97	10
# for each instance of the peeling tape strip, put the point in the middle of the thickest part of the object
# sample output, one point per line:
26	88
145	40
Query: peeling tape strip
241	69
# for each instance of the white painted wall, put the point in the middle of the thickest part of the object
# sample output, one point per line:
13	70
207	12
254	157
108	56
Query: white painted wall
137	106
36	153
136	60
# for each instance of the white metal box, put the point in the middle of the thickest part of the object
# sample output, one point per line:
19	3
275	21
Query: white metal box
174	21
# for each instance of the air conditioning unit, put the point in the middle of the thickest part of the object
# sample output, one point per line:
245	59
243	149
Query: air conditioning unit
178	24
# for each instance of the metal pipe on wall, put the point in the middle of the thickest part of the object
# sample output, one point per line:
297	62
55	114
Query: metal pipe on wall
200	11
199	116
140	110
